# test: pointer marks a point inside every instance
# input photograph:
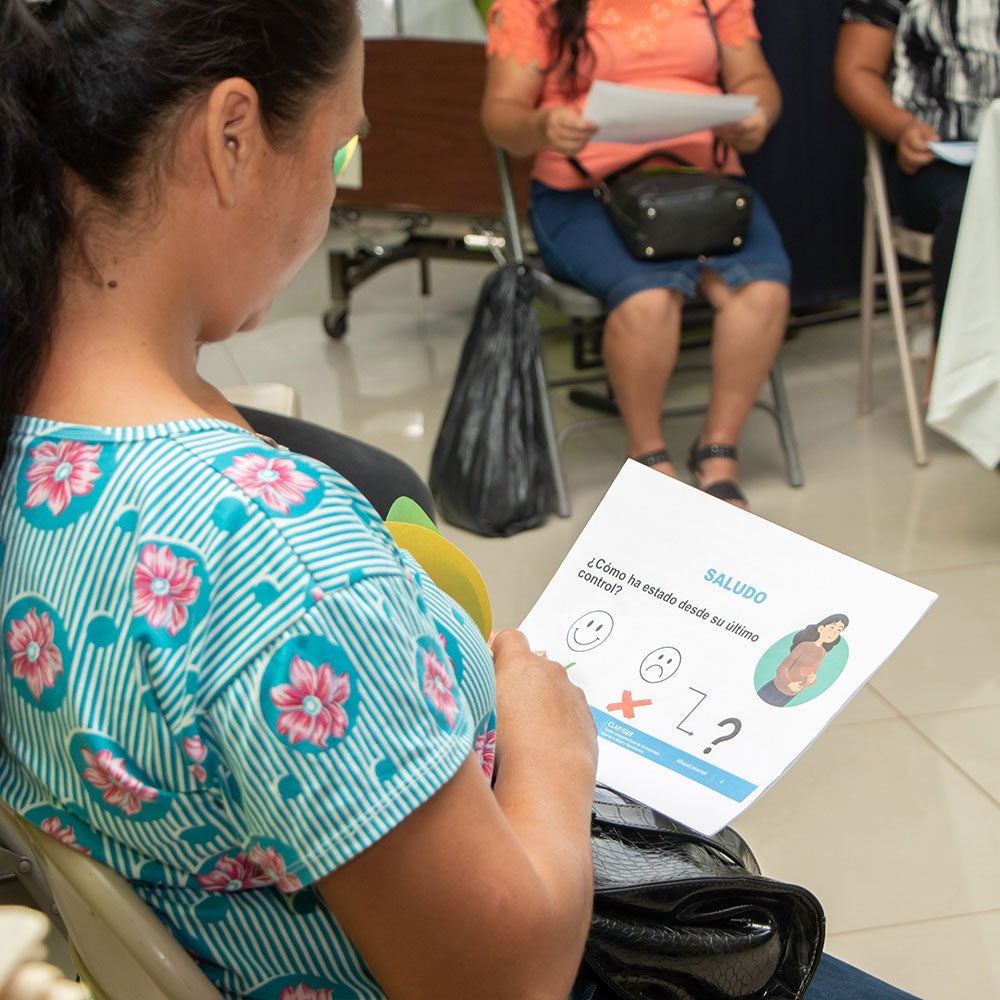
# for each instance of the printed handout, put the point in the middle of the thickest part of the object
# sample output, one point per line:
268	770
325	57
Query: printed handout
713	646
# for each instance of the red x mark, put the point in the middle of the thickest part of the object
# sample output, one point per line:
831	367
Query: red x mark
626	705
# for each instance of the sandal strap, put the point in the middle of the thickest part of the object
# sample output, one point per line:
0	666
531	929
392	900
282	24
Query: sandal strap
699	455
652	458
725	489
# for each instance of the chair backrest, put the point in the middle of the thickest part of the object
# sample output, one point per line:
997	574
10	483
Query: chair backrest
121	948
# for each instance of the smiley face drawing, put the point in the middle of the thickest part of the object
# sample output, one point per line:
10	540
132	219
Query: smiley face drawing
660	665
589	631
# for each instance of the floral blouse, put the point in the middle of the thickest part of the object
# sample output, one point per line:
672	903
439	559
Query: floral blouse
221	678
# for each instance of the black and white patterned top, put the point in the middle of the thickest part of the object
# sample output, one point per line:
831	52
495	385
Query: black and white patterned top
946	58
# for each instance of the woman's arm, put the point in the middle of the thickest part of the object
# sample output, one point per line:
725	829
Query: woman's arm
512	119
860	67
487	892
745	71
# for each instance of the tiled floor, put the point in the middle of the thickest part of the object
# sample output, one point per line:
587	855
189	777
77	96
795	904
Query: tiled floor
893	816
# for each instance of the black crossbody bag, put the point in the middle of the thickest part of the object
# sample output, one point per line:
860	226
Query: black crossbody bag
672	214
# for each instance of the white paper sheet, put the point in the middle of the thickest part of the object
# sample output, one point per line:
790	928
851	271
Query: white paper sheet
638	115
960	153
672	609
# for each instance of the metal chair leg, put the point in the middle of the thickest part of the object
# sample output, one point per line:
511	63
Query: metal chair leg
563	508
786	431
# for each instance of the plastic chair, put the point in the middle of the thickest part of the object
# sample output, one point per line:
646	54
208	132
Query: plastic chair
887	239
18	861
586	315
120	948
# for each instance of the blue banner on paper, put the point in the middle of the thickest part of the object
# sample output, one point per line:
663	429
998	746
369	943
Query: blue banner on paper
620	734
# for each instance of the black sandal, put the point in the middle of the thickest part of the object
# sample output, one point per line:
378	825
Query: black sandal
722	489
652	458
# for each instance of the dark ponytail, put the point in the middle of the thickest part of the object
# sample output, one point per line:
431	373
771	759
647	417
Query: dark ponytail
92	90
34	221
571	51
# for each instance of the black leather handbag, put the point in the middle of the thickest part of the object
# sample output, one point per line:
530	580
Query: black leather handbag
682	916
669	214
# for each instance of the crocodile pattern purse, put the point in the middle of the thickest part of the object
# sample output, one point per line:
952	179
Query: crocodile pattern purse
681	916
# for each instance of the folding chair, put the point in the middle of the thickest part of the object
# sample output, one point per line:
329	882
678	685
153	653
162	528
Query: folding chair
585	315
887	239
120	948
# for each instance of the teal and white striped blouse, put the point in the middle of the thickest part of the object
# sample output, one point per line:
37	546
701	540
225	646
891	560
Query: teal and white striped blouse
223	679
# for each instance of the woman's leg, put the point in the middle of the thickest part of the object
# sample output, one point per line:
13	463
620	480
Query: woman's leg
641	340
381	477
836	980
750	324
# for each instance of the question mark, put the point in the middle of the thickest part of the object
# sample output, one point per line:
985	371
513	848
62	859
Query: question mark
737	726
618	589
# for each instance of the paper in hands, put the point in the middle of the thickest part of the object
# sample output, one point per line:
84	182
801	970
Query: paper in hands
713	646
638	115
960	153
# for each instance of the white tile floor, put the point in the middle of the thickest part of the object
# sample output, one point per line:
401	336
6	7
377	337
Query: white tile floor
893	816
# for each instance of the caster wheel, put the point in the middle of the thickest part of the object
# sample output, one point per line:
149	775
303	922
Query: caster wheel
335	324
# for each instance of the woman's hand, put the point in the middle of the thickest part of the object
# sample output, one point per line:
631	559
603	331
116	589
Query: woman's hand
746	136
566	131
532	687
912	151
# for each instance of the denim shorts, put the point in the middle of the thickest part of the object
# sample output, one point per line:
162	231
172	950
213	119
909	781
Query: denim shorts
579	245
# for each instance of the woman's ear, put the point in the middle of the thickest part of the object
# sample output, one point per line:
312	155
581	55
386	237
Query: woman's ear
233	135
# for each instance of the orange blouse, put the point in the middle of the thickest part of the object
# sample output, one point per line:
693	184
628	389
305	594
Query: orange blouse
657	44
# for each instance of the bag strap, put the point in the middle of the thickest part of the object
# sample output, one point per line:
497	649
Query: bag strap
658	154
718	147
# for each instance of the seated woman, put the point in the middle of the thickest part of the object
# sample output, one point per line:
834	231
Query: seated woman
544	55
220	676
915	73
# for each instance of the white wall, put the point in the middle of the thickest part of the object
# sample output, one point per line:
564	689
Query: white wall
422	19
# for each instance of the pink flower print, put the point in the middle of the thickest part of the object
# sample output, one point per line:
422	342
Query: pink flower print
107	773
438	683
163	587
486	751
232	875
276	481
60	471
272	868
312	706
54	828
303	992
196	751
35	659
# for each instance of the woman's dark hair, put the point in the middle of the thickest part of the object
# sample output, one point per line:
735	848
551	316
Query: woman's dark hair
811	632
91	88
567	28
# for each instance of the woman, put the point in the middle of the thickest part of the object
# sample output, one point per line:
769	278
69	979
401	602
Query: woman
544	55
797	671
220	676
914	73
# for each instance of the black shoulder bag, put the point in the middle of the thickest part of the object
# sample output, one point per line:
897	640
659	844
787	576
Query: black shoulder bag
682	916
672	214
